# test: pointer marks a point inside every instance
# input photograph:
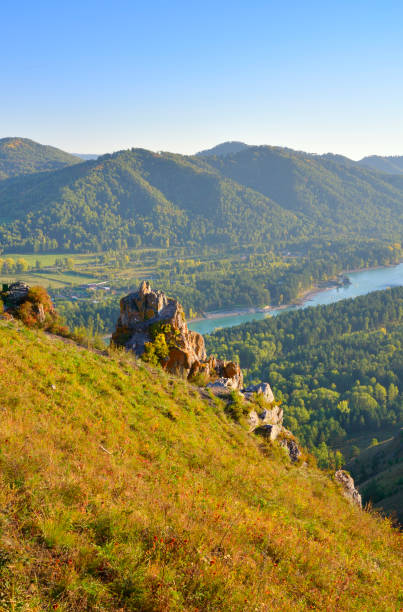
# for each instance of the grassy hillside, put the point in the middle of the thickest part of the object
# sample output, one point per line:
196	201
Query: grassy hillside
259	195
121	489
23	156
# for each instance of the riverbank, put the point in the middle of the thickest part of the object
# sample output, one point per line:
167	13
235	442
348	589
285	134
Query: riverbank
362	281
299	301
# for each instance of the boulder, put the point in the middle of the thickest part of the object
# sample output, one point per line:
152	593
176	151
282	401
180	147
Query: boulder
263	389
267	417
270	432
291	446
223	386
349	490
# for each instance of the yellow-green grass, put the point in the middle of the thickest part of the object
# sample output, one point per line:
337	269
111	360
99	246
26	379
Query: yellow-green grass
121	489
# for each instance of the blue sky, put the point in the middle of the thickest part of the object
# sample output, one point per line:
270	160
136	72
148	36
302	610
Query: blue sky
98	76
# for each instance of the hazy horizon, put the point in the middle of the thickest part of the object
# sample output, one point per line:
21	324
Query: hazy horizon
202	148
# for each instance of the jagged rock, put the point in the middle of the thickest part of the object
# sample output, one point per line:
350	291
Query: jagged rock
291	446
348	485
232	371
223	386
267	417
271	432
262	388
142	310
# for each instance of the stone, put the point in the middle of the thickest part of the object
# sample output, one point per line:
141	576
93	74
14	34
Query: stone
223	386
349	490
292	448
270	432
273	416
260	389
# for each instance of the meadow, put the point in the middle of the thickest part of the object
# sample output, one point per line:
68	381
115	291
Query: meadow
121	488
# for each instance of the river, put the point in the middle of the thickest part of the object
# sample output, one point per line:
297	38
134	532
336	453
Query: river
362	282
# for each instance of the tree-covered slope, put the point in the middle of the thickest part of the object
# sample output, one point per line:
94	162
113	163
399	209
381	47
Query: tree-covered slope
23	156
224	148
330	191
338	368
121	489
258	195
132	197
378	471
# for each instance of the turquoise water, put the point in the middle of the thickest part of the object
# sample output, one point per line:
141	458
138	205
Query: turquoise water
362	282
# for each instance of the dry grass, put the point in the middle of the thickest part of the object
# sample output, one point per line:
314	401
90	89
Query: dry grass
121	489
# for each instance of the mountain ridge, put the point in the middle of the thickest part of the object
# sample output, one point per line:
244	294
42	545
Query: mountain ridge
259	194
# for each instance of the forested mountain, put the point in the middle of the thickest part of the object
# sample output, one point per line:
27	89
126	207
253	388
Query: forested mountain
224	148
391	165
135	197
330	191
24	156
258	195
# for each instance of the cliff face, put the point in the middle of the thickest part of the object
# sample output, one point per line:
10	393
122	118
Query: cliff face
145	315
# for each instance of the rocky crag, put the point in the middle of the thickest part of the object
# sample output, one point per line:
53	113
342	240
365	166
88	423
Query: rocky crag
30	304
348	487
151	323
150	318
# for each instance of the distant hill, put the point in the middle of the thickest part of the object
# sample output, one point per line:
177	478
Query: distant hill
330	191
392	164
260	194
224	148
86	156
24	156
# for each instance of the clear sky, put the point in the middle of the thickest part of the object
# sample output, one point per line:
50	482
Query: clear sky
94	76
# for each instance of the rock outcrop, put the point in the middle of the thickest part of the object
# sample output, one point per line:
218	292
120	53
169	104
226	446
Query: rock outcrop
348	485
262	389
288	442
145	313
15	294
32	305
